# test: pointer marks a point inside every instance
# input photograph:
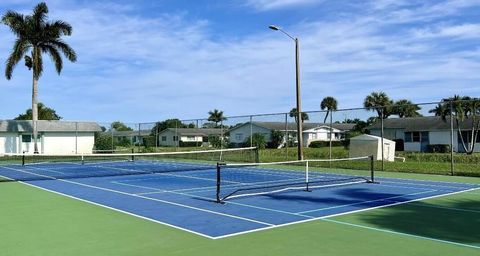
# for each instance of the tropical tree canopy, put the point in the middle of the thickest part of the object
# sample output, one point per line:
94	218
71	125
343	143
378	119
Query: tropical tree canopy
405	108
119	126
379	102
462	108
293	113
35	35
330	104
216	116
44	113
170	123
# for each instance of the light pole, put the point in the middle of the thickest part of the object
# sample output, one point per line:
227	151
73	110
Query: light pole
297	83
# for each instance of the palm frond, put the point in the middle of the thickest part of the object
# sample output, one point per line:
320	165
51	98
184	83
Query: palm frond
20	48
64	48
40	12
55	55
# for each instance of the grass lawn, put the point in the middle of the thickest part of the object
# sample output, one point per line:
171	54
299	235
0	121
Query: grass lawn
36	222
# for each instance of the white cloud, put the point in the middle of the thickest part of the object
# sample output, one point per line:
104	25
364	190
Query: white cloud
267	5
456	31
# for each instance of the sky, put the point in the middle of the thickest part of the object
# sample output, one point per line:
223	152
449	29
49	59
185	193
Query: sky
142	61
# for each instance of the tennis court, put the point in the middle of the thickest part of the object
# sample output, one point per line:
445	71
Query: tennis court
215	201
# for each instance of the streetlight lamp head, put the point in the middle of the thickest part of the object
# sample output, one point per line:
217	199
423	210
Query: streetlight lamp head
273	27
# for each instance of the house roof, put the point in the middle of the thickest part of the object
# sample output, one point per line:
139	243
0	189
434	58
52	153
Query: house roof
368	137
428	123
130	133
194	131
48	126
280	126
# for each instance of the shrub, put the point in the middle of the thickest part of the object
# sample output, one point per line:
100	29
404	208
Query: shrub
438	148
190	143
103	141
321	144
258	140
277	139
124	142
216	141
149	141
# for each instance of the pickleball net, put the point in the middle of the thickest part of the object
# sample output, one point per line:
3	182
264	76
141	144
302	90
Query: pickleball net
31	167
250	179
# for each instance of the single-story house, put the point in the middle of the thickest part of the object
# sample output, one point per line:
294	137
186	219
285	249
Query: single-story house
311	131
54	137
417	133
134	137
175	136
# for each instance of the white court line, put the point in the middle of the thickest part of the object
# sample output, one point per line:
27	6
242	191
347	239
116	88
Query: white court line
402	234
259	229
343	213
426	185
366	202
210	199
153	199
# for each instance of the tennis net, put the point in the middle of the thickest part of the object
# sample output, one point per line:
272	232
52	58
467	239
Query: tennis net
240	180
30	167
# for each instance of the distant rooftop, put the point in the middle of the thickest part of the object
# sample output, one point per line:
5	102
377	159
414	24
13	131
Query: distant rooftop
48	126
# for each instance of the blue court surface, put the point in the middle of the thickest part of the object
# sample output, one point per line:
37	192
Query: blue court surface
186	199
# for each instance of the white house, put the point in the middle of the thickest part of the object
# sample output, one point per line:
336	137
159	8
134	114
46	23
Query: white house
311	131
369	145
178	136
135	137
54	137
417	133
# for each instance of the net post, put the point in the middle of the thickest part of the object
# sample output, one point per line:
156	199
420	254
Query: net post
133	156
257	155
218	199
83	160
306	177
372	169
23	158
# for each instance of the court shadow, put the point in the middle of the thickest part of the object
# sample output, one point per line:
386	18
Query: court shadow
457	221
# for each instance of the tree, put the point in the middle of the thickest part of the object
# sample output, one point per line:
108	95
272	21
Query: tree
169	123
216	116
405	108
44	113
36	36
462	109
293	113
379	102
119	126
329	103
258	140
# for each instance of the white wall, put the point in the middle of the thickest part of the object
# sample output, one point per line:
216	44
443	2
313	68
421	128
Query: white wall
68	143
9	143
168	134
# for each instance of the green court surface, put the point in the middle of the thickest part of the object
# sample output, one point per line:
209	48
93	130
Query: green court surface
37	222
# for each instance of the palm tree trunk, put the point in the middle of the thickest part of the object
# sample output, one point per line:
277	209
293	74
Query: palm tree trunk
326	116
35	113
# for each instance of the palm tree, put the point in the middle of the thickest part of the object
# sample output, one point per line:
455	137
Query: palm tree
405	108
216	116
462	109
35	35
293	113
380	102
329	103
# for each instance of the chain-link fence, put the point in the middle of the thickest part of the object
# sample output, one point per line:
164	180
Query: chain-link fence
440	137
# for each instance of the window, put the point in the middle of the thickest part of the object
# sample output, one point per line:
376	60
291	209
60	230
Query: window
424	136
164	138
191	138
415	136
175	138
26	138
239	136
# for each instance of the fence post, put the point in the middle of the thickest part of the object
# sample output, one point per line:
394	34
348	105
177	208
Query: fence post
251	132
452	165
381	122
286	136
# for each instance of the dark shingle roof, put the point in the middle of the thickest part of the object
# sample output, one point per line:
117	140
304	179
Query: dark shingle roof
280	126
195	131
130	133
48	126
430	123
